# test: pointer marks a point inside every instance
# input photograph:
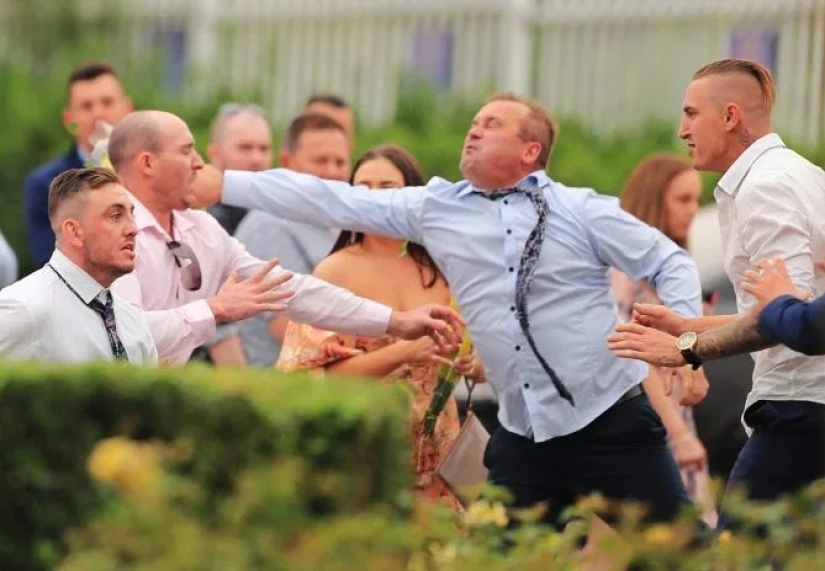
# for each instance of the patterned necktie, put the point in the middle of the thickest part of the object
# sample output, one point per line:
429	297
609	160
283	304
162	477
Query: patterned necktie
107	313
526	271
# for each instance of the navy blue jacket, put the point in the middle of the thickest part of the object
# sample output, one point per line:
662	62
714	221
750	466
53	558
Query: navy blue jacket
799	325
39	233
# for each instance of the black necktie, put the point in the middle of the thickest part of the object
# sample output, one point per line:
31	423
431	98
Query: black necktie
107	313
526	271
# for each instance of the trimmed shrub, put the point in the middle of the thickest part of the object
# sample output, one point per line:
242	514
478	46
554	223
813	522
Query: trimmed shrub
344	446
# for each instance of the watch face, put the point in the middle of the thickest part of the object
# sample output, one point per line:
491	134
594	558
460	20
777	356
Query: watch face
686	341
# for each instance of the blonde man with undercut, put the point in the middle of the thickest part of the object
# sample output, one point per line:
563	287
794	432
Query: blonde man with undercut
771	204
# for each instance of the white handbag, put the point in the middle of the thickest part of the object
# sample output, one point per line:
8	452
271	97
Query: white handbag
462	468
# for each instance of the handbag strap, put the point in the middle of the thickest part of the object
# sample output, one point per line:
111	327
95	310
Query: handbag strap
468	406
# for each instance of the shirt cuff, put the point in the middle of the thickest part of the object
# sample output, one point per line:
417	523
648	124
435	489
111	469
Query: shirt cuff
375	318
201	321
236	188
770	320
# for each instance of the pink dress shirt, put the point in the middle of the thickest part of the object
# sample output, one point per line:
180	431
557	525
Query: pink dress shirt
181	320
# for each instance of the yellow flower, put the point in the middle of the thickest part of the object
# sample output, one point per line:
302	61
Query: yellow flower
128	465
725	538
659	535
483	513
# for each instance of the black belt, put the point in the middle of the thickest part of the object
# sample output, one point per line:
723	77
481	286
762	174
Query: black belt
632	393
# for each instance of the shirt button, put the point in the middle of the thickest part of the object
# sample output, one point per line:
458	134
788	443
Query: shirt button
526	385
518	347
511	268
505	202
512	308
509	231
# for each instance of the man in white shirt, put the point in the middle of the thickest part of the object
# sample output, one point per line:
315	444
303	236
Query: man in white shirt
185	275
64	312
771	204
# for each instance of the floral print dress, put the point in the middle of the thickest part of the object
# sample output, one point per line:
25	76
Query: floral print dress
309	348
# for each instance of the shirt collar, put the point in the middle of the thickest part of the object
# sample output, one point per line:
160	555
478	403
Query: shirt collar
82	283
145	219
733	177
539	178
82	155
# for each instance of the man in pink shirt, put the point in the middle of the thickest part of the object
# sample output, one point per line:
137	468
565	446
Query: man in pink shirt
187	266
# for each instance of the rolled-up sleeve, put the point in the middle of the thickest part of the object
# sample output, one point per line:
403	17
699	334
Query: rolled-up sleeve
795	323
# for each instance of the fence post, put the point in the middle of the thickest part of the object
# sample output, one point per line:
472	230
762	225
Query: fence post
516	45
203	46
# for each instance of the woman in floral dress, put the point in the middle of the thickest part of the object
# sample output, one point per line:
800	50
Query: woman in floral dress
402	276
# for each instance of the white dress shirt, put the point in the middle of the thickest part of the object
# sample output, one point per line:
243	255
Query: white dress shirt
181	319
43	320
772	203
477	243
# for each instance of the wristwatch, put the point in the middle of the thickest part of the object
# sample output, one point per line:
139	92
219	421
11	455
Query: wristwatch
686	344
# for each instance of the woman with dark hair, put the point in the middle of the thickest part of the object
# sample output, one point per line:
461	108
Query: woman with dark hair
403	276
664	192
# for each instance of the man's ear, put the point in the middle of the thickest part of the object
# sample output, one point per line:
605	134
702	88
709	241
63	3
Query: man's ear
72	231
532	152
283	159
145	162
733	116
212	152
68	120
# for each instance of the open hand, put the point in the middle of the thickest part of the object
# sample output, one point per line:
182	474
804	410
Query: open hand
659	317
694	386
771	281
634	341
422	350
439	322
470	366
238	298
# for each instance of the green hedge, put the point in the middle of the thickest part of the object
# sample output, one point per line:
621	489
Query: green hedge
346	444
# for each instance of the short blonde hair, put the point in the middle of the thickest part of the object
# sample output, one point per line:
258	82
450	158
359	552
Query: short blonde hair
538	127
743	67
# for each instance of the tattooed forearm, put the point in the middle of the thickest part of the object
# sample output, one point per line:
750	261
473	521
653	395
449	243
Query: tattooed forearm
740	336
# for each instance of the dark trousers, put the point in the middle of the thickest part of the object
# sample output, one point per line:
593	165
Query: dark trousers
622	454
785	452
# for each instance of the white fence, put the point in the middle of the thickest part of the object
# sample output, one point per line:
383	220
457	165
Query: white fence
613	63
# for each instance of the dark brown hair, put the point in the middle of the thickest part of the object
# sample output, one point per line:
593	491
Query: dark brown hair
328	99
644	193
537	127
75	182
405	162
89	71
308	122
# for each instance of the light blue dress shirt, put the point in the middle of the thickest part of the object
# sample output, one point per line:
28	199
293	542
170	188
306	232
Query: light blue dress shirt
477	244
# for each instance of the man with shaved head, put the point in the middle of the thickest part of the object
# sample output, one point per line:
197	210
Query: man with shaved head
64	312
771	204
187	267
240	139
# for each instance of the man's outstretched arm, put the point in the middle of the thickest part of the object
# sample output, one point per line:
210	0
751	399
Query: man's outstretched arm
306	198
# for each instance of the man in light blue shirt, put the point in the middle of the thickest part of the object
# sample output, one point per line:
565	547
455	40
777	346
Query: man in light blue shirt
593	428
